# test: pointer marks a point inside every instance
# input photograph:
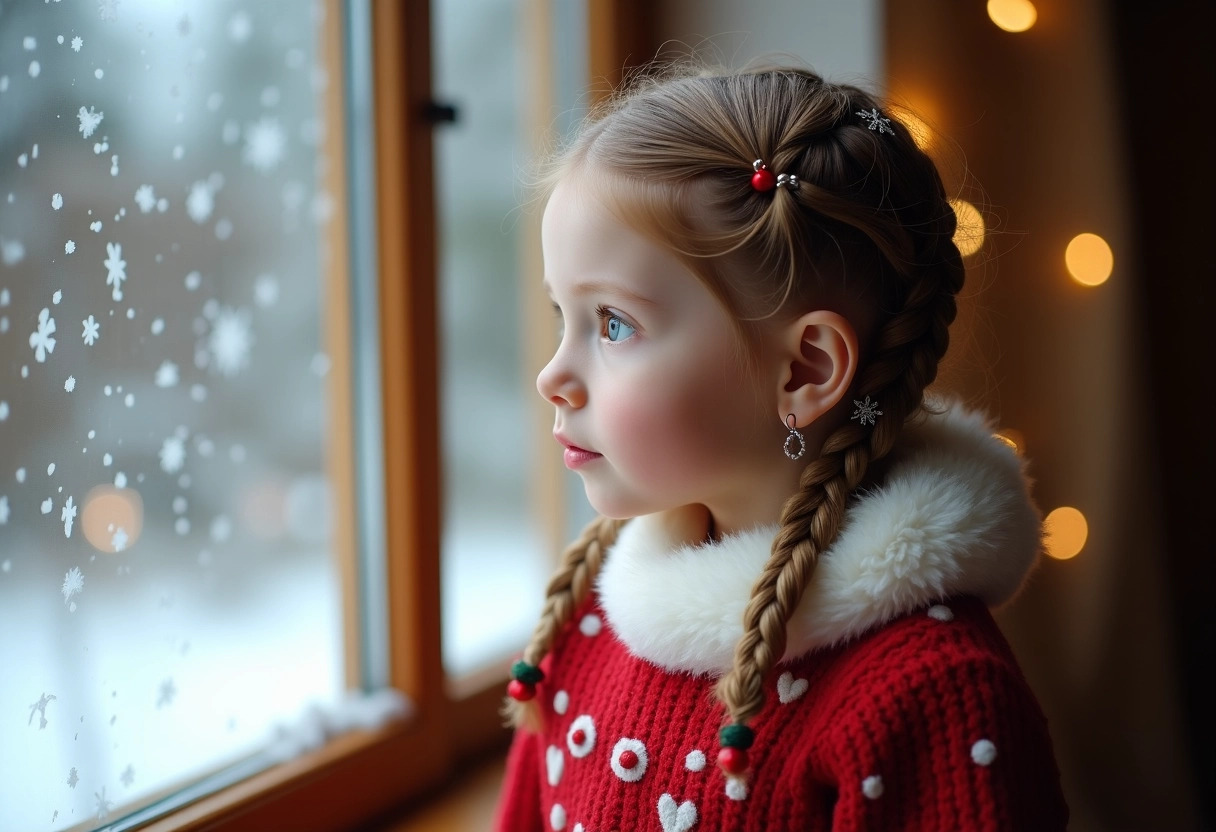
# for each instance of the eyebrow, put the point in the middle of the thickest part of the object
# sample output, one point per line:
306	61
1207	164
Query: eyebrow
593	287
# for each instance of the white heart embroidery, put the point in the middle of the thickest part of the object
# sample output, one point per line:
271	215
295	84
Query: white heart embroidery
676	818
555	763
789	688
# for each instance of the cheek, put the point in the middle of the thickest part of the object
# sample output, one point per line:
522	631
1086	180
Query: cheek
682	424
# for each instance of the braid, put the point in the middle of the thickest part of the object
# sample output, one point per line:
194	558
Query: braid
567	589
907	351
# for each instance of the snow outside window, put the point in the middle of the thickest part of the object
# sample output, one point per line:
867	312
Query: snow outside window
168	592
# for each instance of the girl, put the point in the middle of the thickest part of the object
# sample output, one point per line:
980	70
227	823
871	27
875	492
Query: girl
780	621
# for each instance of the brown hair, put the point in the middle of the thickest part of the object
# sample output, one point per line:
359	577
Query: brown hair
870	219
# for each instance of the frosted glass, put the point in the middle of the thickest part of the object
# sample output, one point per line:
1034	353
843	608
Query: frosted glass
167	587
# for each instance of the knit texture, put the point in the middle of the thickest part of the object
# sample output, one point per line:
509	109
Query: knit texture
924	723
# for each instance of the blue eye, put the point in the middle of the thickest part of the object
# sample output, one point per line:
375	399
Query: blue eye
612	327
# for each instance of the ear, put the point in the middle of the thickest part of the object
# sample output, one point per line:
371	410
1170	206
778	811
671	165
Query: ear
819	357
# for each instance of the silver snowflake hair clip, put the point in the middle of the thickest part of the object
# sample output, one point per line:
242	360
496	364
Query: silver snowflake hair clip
875	121
867	412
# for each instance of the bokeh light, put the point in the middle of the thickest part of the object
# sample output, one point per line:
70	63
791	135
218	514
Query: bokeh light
1012	15
112	518
1089	259
969	236
1065	532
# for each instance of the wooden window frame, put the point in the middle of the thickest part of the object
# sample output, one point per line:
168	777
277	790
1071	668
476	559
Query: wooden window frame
359	778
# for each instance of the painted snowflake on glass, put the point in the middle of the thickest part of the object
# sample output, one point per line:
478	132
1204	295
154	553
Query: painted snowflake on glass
145	198
119	540
128	776
200	202
89	119
66	516
73	583
117	269
166	693
39	708
265	143
73	777
104	806
166	374
266	290
92	330
77	42
107	10
172	454
230	341
41	339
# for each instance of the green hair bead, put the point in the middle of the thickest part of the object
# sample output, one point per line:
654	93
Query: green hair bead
737	736
529	674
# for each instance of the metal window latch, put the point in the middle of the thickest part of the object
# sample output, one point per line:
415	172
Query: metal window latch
440	112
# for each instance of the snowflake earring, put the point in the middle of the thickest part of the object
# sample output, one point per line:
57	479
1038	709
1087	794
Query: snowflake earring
794	436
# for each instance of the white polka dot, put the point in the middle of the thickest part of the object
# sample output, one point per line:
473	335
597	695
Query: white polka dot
736	788
580	739
983	752
590	625
871	787
555	764
561	701
578	827
633	773
695	761
941	613
557	816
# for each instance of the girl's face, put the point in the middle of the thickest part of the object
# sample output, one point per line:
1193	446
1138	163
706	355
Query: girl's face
654	405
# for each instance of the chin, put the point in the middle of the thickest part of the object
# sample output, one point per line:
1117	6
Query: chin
616	506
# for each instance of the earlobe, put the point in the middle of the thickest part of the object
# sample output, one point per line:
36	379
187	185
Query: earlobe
819	361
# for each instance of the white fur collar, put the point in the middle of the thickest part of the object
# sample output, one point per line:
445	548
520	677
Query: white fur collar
953	516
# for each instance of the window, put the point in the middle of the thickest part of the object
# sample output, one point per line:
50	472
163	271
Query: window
220	420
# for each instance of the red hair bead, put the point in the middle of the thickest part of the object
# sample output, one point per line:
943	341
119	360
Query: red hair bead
520	691
733	760
763	179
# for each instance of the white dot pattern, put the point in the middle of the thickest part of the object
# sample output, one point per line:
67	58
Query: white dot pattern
695	761
871	787
736	788
557	816
561	702
941	612
590	626
983	753
582	728
629	775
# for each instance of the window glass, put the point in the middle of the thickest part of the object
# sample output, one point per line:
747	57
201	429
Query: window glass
516	73
168	585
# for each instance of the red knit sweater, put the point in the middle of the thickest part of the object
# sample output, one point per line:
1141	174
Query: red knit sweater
890	711
925	723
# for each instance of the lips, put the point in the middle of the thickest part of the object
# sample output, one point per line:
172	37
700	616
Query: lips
571	446
575	456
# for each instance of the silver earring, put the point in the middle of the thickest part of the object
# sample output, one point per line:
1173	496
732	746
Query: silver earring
794	436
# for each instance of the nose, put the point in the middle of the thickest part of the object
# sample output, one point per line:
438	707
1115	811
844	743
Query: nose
558	385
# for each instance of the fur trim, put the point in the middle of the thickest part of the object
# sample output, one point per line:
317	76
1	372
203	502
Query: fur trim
953	517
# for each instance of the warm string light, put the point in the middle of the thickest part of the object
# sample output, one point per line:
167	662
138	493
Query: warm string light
112	518
1012	15
969	235
1089	259
1064	533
